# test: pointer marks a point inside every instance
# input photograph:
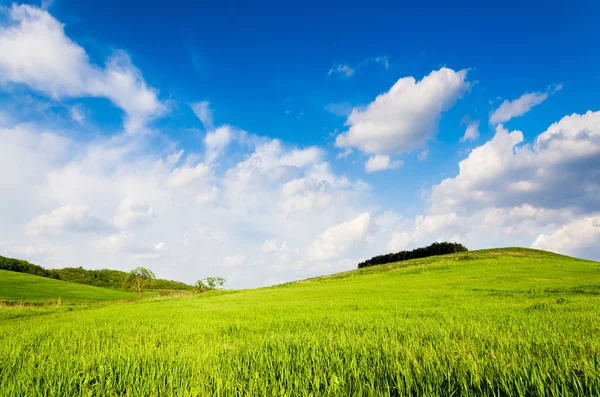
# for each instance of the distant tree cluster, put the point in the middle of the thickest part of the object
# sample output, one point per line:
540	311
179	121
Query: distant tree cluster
21	266
100	278
423	252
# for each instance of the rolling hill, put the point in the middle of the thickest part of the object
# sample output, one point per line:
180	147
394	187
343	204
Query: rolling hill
105	278
504	322
26	287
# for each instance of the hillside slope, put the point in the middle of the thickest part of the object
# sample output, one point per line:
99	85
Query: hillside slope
495	322
105	278
26	287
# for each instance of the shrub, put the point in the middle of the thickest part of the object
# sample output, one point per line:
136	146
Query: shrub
422	252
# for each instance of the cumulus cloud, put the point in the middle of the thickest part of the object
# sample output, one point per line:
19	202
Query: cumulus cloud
186	175
511	193
268	210
69	218
381	162
133	213
35	51
339	239
518	107
577	238
406	116
170	207
561	169
436	227
208	196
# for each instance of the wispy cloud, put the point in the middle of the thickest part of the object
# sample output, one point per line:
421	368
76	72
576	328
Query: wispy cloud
346	70
340	109
343	70
518	107
203	111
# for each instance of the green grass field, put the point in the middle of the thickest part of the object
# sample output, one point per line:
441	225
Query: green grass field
510	322
26	287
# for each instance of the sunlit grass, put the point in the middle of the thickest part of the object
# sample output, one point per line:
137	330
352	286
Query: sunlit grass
28	288
498	322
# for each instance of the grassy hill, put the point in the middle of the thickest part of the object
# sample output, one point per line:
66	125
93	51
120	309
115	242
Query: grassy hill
105	278
26	287
495	322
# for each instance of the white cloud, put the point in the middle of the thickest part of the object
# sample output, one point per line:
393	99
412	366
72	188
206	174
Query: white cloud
203	111
343	154
343	70
69	218
267	210
133	213
133	247
216	141
284	209
508	193
346	70
156	251
422	156
406	116
559	170
472	131
208	196
381	162
270	246
340	109
382	60
234	261
46	4
518	107
186	175
578	238
339	239
30	251
78	113
35	51
158	194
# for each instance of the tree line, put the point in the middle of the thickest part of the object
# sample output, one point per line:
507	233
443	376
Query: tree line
100	278
422	252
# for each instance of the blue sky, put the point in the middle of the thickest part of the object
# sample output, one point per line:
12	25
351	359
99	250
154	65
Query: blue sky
279	170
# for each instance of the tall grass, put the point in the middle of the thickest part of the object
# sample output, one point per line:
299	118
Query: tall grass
515	324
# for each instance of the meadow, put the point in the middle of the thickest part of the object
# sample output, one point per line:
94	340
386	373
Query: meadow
506	322
22	287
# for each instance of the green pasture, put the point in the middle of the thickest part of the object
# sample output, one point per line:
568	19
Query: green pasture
22	287
506	322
